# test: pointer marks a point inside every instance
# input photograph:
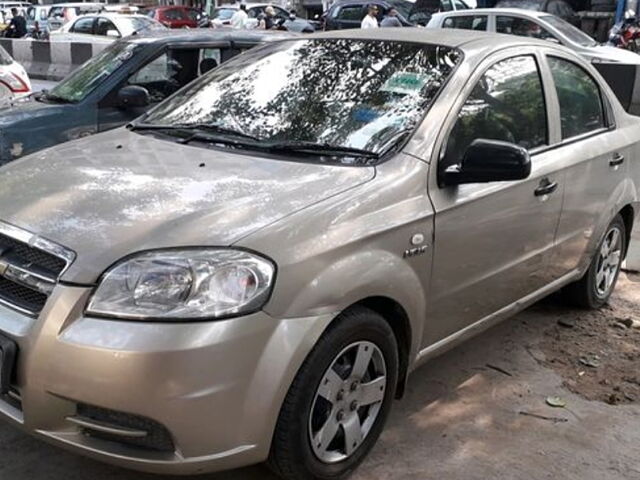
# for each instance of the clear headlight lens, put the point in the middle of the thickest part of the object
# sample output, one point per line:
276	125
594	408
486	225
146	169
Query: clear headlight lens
184	284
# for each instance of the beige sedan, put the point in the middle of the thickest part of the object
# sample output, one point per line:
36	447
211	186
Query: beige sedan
251	270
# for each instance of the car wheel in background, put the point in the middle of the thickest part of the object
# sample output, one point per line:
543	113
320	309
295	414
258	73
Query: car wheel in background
596	286
338	403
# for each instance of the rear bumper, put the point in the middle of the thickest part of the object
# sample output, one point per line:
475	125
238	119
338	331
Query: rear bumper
216	387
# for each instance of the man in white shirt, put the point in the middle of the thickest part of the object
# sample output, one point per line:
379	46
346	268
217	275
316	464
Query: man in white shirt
370	20
239	19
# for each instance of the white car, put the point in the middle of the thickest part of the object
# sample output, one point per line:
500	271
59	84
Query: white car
105	25
14	81
533	24
62	13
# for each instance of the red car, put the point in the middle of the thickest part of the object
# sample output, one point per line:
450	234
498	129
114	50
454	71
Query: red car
179	16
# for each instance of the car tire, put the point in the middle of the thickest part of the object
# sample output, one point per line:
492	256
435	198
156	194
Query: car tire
306	413
594	289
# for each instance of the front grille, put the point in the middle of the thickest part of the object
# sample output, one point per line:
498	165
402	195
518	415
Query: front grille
29	269
154	435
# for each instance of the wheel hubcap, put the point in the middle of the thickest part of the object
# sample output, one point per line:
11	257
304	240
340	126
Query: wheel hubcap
609	259
347	402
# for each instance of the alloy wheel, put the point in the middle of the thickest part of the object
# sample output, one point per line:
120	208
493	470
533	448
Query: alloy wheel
609	261
347	402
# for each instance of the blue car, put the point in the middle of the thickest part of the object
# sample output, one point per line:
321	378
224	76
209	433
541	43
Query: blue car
118	85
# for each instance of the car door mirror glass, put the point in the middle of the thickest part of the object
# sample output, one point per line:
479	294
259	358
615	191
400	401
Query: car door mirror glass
113	33
490	161
133	96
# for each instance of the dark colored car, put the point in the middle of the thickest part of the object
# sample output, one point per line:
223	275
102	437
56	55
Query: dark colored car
179	16
118	85
349	13
559	8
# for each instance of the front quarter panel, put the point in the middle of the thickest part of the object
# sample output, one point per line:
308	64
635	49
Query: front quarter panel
351	247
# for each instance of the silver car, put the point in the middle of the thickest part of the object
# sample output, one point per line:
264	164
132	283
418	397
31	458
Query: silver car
541	25
250	271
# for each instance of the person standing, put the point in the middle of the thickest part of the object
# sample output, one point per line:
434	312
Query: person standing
370	20
270	18
18	26
391	19
239	19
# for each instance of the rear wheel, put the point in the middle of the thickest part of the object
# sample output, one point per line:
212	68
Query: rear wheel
596	286
339	401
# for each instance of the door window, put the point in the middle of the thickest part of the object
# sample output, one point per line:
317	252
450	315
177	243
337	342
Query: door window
521	27
446	6
460	5
83	25
579	96
466	22
507	104
105	25
173	14
351	13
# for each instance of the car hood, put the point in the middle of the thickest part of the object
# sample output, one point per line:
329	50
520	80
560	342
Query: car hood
25	108
120	192
613	54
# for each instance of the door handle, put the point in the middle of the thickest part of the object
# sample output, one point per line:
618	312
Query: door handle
617	160
546	187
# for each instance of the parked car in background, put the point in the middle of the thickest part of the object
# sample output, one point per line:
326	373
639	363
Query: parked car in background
14	81
345	14
179	16
559	8
252	269
62	13
222	17
110	25
118	85
532	24
38	14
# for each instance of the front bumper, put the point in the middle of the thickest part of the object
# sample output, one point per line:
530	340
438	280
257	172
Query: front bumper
217	386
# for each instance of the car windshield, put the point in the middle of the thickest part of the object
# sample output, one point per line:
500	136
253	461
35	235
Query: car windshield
572	33
341	94
224	13
83	81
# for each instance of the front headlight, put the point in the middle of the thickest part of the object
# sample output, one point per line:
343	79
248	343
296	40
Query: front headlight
187	284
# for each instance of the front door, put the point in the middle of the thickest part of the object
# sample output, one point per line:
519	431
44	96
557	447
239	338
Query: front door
493	241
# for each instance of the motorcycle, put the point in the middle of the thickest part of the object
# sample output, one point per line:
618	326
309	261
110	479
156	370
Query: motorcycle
626	34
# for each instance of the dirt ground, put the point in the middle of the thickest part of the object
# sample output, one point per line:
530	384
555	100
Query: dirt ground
478	412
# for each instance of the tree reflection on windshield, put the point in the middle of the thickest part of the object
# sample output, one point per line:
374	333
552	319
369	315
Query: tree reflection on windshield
342	93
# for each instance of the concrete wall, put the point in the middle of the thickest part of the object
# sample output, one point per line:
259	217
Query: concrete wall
50	60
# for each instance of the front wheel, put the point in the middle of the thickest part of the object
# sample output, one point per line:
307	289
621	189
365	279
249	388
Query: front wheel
339	401
594	289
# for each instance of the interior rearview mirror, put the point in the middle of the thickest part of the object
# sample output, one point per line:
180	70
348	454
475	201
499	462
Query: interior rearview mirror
133	96
489	161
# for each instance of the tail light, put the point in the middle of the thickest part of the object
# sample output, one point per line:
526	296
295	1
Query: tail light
14	82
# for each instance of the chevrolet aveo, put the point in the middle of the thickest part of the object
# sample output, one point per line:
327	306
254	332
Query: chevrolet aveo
250	271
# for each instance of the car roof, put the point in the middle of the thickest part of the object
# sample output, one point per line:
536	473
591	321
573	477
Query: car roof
203	35
235	6
485	11
78	4
466	40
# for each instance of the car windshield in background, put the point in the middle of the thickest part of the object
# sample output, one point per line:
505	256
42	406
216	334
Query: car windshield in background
572	33
140	23
80	83
341	94
224	13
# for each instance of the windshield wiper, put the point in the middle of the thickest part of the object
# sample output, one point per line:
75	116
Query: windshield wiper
197	128
320	149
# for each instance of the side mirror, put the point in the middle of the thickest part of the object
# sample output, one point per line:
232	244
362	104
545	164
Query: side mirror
113	33
489	161
553	40
133	96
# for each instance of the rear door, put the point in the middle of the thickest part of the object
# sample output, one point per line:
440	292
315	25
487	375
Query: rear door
466	22
494	241
596	158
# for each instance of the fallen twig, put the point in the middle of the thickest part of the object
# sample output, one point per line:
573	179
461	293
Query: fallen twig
498	369
542	417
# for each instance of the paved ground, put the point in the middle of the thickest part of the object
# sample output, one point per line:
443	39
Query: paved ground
461	420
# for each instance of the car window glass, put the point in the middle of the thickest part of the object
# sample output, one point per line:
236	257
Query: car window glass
104	25
210	58
43	14
5	58
446	6
173	14
466	22
83	25
168	73
507	104
459	5
579	96
350	13
521	27
254	12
